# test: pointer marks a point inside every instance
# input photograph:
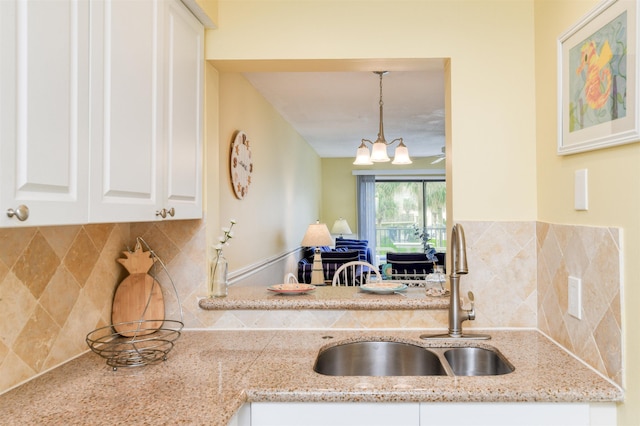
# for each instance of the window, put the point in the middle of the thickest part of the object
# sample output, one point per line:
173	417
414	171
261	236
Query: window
409	215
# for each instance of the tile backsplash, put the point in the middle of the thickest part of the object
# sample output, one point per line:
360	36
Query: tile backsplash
593	255
57	285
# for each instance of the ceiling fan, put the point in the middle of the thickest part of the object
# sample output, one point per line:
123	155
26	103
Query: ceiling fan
440	157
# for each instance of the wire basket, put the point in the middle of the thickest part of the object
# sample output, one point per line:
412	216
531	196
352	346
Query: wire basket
149	345
141	342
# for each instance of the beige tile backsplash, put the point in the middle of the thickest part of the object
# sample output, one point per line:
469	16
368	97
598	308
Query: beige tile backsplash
593	255
57	285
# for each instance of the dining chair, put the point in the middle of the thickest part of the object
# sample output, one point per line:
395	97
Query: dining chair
356	272
290	278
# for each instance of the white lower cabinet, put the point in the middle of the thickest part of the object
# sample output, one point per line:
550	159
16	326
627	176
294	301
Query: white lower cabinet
431	413
335	414
517	413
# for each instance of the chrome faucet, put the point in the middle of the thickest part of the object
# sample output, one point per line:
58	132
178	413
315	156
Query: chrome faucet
457	315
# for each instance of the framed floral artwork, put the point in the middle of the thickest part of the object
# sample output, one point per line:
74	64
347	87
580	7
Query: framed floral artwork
598	78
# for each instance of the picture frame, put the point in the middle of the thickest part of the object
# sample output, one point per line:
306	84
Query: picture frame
598	79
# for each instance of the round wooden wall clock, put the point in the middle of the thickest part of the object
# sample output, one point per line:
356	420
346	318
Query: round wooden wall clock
241	164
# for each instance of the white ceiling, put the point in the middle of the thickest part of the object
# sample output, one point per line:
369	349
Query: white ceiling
334	111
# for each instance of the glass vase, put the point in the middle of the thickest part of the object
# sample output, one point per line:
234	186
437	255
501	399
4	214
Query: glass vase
217	282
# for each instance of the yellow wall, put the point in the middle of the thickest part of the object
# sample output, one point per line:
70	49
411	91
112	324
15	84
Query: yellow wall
284	196
614	184
338	192
492	101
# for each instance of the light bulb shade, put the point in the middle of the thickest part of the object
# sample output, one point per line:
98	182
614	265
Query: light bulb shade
379	152
401	155
362	156
341	226
317	235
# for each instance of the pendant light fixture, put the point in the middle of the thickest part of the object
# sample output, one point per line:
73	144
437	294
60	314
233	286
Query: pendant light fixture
379	147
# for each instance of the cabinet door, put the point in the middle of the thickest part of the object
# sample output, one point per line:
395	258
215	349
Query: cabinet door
43	111
126	109
184	89
335	414
504	413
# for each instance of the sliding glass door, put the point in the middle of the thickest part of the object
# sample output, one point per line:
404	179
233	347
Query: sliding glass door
410	216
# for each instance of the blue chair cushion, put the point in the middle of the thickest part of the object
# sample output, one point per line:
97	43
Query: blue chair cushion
308	252
362	246
349	240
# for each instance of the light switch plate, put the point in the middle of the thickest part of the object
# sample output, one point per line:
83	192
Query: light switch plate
581	195
575	297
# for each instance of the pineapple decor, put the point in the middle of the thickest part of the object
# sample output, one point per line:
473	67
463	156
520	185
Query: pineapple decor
138	304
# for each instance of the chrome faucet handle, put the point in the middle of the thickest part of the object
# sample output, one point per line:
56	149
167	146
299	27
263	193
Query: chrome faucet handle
472	311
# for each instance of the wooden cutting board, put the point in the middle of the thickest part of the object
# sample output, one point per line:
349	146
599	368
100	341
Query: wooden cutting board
138	297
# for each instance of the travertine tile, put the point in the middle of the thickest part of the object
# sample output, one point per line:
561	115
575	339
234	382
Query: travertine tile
14	370
162	245
180	232
81	257
593	255
608	339
60	237
102	283
4	270
4	350
16	307
84	318
60	295
36	265
36	339
65	347
99	233
14	241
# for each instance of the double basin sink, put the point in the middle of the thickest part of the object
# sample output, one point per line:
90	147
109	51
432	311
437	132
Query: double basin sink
387	358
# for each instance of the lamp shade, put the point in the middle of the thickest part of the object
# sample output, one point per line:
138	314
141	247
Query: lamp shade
341	226
362	156
317	235
401	155
379	152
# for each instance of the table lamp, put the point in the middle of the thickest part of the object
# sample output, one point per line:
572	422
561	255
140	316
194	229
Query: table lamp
317	235
341	227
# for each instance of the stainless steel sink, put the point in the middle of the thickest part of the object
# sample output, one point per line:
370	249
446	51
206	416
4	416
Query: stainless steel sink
471	361
387	358
378	359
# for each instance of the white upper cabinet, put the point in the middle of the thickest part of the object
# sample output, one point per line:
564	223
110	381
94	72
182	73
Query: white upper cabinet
183	132
146	118
126	109
44	103
101	111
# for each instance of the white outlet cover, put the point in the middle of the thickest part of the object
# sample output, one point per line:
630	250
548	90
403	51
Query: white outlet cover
575	297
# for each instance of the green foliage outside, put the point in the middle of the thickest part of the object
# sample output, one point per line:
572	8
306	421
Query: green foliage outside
405	220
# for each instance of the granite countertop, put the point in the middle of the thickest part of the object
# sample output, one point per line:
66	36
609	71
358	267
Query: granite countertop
324	297
209	375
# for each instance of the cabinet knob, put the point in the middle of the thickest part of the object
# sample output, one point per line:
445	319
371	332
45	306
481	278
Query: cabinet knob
164	212
22	212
